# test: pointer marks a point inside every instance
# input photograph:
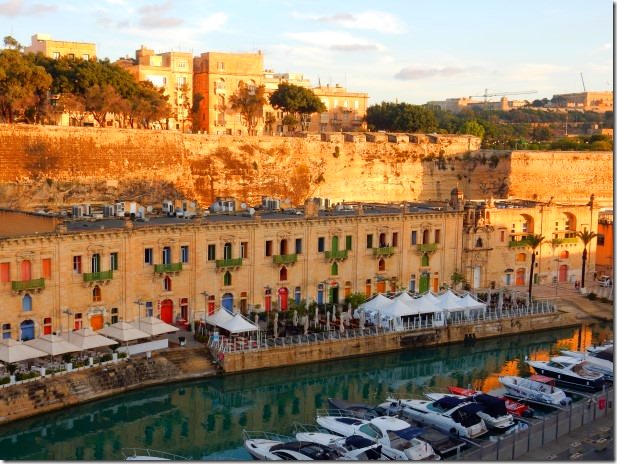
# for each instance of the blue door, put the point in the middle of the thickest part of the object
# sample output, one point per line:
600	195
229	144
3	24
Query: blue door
27	330
228	302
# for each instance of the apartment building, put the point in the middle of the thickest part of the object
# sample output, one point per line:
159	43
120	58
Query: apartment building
171	71
345	112
43	43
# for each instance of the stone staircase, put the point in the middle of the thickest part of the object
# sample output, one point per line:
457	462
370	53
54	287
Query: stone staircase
190	361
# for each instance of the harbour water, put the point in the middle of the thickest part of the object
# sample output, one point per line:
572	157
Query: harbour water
204	419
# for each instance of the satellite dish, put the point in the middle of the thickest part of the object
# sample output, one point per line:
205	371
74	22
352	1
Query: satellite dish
242	205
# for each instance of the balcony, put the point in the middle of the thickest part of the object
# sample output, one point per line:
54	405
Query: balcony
225	263
98	276
285	259
169	267
426	247
336	255
383	251
23	285
519	243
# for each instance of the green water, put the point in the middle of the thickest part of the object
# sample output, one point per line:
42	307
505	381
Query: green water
205	419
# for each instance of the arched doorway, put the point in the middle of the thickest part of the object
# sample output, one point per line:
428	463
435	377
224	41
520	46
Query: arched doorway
167	311
268	299
283	299
210	305
520	276
27	330
334	293
563	273
320	294
477	270
227	302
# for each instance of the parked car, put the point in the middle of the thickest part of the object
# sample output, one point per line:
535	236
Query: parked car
605	281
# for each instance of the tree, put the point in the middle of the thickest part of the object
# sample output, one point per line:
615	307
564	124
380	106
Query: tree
586	236
298	101
356	299
249	102
472	127
457	278
401	117
533	242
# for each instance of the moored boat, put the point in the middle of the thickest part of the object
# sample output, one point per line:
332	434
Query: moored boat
593	363
149	454
493	412
265	446
398	438
570	372
513	407
452	415
534	390
351	448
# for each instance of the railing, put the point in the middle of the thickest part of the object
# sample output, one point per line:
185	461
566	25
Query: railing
336	254
536	434
233	262
519	243
169	267
424	247
20	285
569	240
96	276
383	251
285	259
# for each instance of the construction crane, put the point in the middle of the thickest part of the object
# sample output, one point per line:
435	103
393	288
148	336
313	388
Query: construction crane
502	94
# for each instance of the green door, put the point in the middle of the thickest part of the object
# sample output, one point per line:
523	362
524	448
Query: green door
424	282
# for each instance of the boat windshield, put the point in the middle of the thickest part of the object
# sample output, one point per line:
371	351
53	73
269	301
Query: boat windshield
371	431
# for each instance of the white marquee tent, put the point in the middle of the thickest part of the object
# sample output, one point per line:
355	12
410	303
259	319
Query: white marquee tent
238	324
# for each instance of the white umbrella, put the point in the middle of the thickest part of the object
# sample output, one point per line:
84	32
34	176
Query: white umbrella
349	314
153	326
52	344
13	351
295	318
333	314
316	316
378	318
123	332
257	320
276	324
362	319
342	325
327	320
86	339
306	324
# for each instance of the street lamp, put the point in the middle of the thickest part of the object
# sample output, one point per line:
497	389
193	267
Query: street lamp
68	313
139	303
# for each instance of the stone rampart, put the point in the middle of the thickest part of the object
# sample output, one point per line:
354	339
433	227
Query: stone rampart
49	166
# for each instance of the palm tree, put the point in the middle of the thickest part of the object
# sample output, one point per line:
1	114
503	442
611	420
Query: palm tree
586	237
533	241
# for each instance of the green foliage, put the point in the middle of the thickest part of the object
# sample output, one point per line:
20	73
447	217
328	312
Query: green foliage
296	100
290	121
472	127
249	102
400	117
356	299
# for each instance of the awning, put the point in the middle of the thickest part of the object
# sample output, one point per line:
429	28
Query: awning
87	339
13	351
123	332
153	326
238	324
52	344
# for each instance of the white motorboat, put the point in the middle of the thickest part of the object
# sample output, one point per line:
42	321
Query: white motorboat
533	390
493	412
148	454
593	363
351	448
398	438
448	414
604	348
569	371
265	446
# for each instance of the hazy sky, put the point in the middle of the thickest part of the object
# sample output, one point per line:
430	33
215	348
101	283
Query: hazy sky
410	50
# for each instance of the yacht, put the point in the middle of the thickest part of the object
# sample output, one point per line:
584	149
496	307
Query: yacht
265	446
593	363
493	412
539	389
398	438
351	448
569	371
452	415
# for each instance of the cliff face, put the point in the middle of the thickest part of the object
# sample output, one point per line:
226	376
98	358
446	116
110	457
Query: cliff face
58	166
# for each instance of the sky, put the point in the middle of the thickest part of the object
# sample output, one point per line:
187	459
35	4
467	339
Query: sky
409	51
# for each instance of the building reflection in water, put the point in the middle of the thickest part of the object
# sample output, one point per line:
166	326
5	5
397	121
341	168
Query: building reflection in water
205	419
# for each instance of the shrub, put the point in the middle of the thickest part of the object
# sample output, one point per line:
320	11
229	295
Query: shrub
4	380
592	296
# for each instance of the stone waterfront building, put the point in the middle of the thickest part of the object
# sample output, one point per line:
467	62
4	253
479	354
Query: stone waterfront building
57	273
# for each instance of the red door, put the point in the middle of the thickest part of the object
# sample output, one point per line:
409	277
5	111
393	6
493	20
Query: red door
283	297
520	276
563	273
167	311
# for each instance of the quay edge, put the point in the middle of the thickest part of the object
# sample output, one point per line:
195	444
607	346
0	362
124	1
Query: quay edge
283	356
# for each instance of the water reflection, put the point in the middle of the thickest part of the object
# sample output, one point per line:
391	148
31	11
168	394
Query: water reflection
204	419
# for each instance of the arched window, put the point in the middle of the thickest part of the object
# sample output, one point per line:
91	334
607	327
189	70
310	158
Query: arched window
283	274
167	284
347	290
565	254
521	258
334	269
227	278
96	294
425	234
478	242
382	264
298	295
320	293
26	303
424	261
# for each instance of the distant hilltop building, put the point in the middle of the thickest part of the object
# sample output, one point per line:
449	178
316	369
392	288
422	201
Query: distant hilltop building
456	105
42	43
586	101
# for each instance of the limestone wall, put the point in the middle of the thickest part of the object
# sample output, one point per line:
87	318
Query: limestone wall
44	166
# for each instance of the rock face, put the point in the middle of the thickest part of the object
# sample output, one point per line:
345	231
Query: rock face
52	167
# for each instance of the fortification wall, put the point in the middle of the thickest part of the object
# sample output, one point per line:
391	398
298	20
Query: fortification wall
49	166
